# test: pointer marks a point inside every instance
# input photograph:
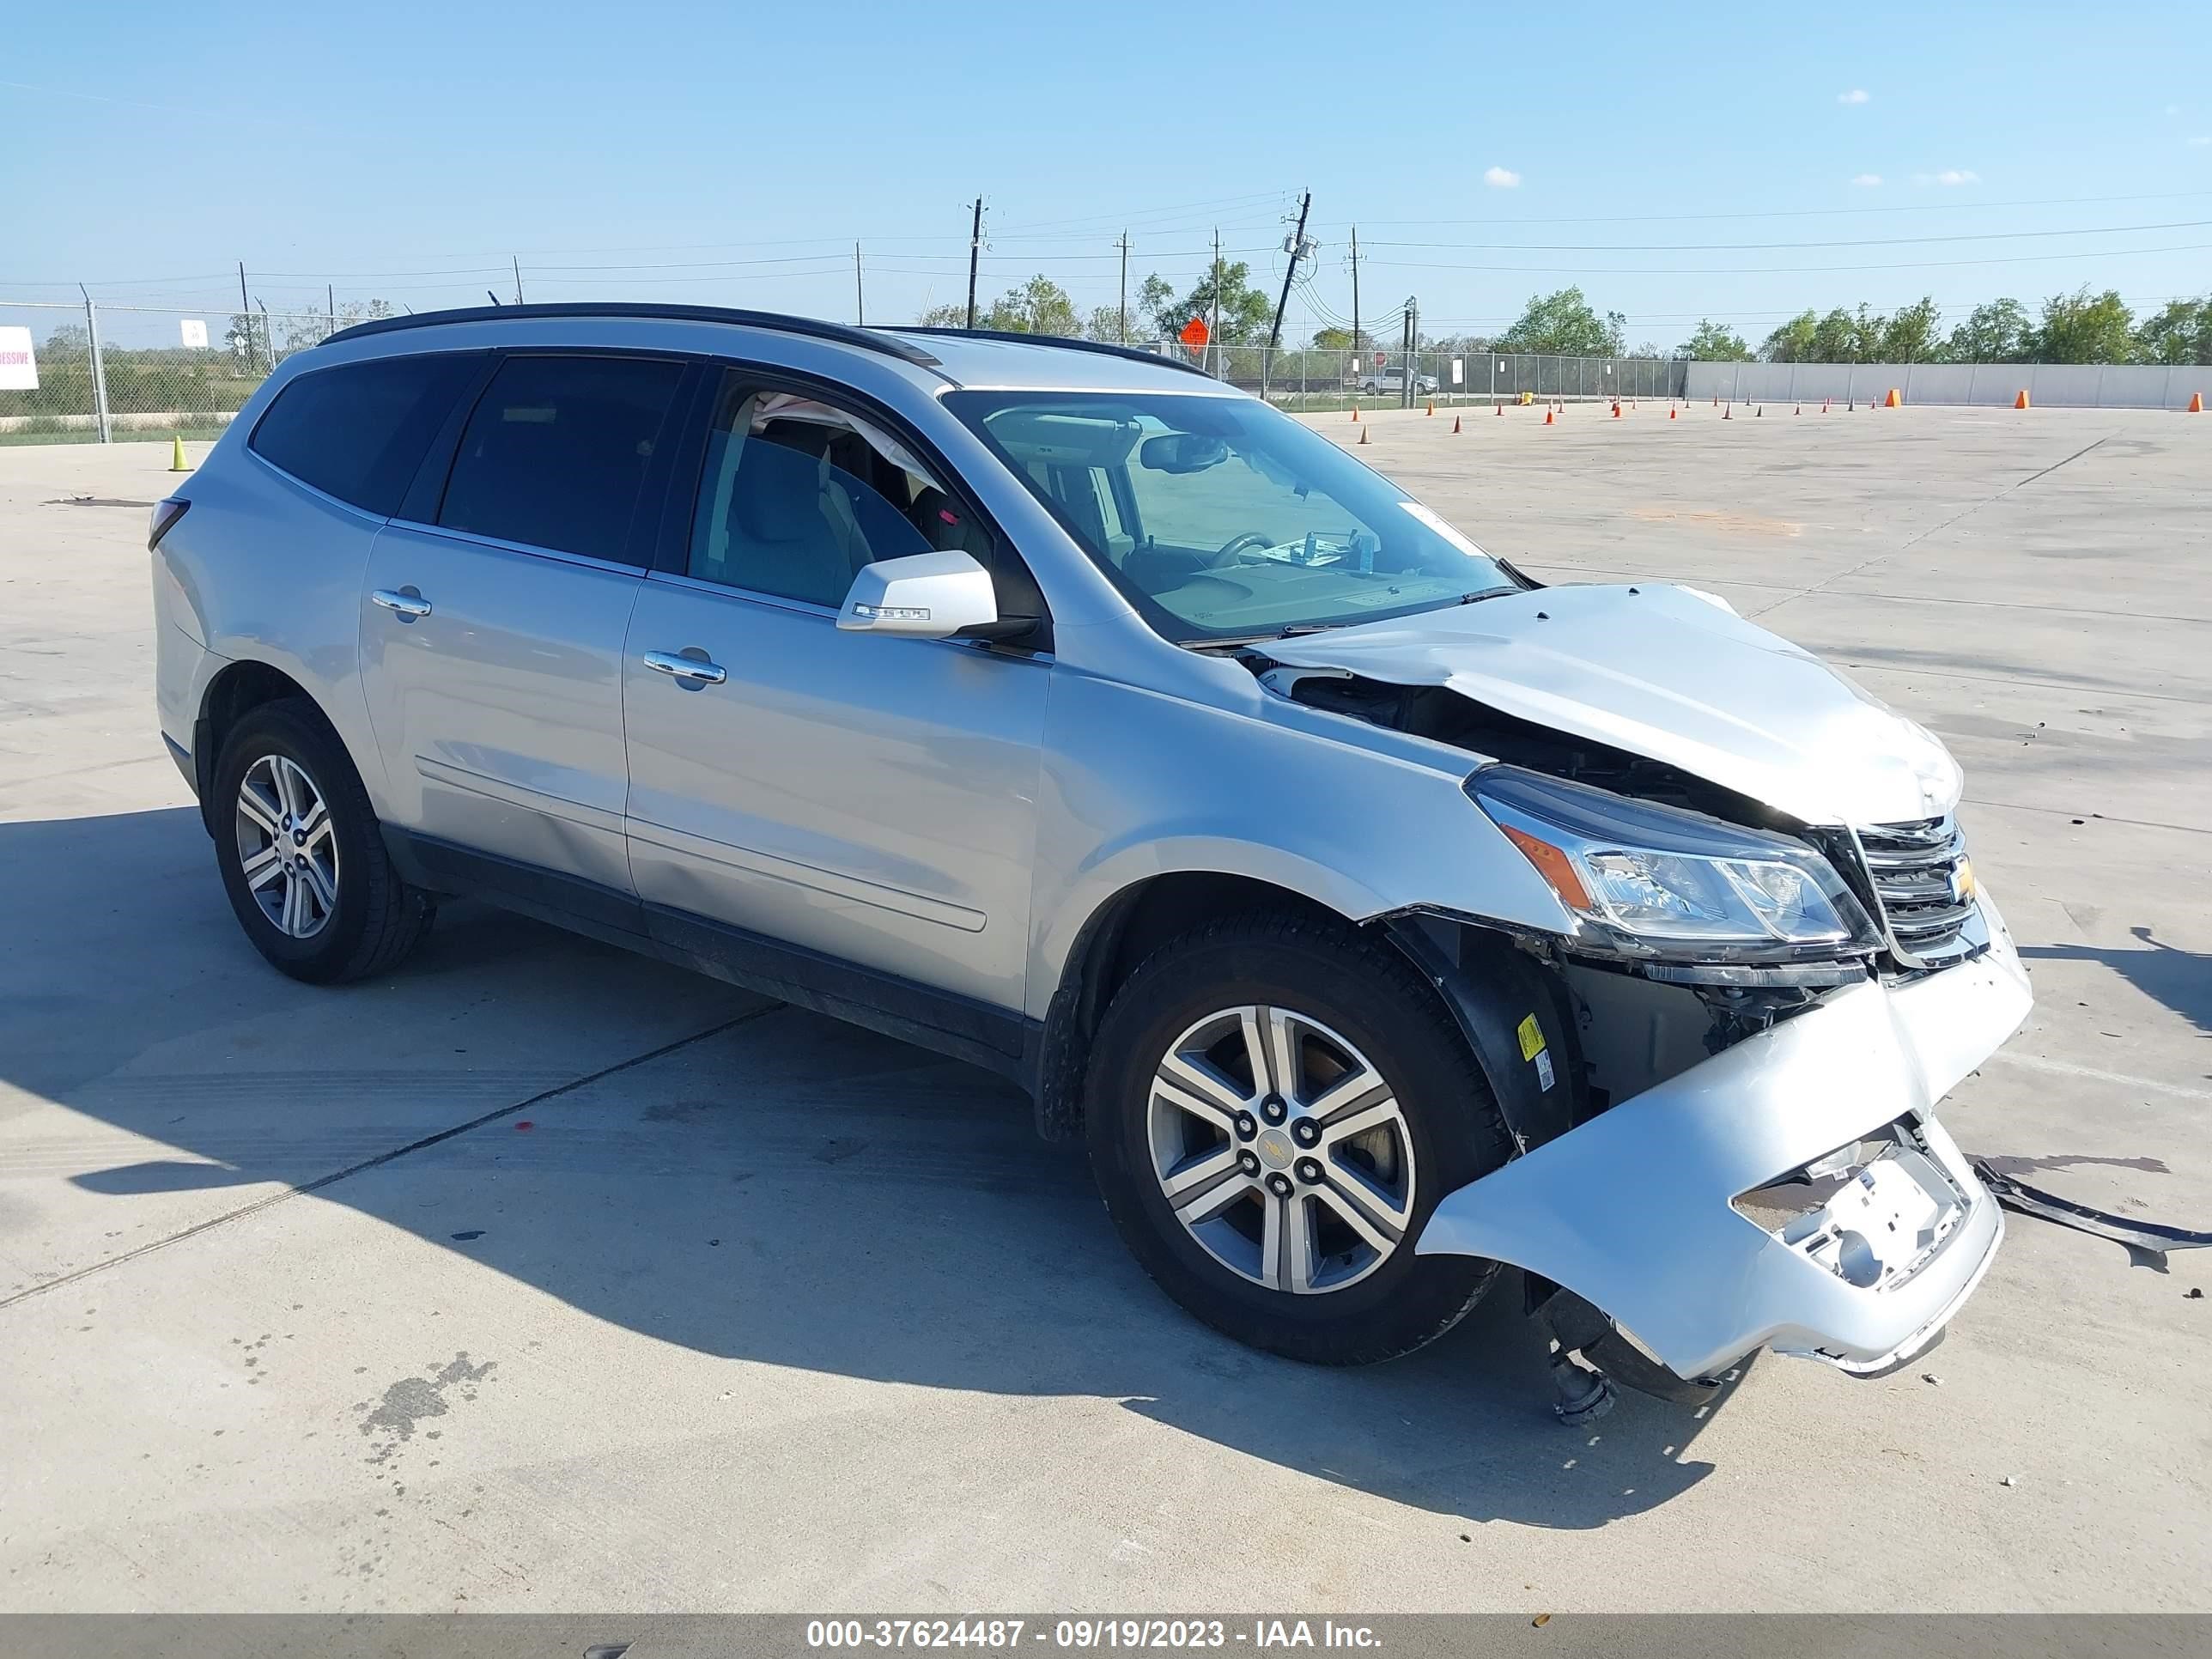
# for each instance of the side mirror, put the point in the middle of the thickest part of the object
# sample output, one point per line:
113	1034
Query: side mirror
924	596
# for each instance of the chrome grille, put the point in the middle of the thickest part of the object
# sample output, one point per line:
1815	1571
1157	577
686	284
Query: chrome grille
1916	869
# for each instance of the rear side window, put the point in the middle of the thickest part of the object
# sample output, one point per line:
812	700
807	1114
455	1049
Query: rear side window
556	450
359	431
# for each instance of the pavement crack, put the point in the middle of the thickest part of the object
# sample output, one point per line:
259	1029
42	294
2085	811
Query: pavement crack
1910	542
382	1158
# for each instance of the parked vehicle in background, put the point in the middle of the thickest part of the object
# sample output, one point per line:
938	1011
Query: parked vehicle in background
1376	382
1376	915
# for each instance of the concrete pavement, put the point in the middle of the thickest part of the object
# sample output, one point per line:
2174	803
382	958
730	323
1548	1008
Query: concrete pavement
718	1305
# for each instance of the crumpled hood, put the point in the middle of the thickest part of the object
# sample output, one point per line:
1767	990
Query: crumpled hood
1670	673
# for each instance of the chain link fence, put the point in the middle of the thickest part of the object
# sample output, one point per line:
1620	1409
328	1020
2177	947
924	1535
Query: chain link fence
91	374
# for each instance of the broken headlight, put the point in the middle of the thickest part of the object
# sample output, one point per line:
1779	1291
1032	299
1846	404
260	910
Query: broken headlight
1679	890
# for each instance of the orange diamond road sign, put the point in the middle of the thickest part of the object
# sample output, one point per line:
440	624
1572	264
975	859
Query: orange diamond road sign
1195	333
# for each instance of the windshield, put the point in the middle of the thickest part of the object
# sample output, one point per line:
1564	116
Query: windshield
1222	518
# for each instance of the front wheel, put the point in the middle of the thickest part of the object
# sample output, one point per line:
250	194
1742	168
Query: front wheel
1275	1107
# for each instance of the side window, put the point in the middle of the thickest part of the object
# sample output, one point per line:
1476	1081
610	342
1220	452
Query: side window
359	431
798	495
556	450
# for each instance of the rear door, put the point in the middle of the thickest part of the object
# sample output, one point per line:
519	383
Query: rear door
872	799
492	624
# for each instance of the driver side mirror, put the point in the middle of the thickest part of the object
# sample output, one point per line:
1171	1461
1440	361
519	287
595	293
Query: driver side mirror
924	596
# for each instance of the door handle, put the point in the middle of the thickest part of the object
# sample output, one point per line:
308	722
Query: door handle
407	607
697	670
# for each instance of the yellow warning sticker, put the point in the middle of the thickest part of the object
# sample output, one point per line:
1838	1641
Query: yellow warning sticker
1532	1038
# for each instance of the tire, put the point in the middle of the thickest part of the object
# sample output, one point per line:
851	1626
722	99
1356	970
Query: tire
1345	992
357	917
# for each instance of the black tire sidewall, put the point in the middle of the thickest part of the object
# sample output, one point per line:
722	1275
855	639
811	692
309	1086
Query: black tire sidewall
1351	985
300	736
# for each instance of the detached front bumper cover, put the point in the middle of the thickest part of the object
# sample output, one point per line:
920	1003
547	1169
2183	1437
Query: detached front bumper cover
1633	1210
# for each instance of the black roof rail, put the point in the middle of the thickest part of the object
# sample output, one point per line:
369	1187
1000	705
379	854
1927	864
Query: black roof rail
1060	340
814	327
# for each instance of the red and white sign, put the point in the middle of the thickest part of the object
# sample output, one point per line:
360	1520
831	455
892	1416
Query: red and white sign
19	364
1380	360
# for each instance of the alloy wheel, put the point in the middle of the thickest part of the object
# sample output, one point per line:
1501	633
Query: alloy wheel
288	848
1281	1150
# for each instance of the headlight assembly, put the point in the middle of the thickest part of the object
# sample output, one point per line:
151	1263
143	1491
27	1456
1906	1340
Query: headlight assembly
1682	893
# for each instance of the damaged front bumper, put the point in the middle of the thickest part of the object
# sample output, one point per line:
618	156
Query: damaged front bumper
1636	1210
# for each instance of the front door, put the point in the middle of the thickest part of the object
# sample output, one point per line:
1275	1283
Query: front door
491	638
871	799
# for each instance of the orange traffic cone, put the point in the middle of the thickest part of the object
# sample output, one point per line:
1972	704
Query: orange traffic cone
1825	401
1729	414
1760	412
1800	408
2196	402
1893	401
1547	417
2022	402
1363	434
1432	405
1455	425
1670	411
1355	411
1616	409
1717	403
1500	408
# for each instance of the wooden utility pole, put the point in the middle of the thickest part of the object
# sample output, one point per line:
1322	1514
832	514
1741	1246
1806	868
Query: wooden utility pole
515	260
860	295
975	245
1125	287
1215	336
1355	305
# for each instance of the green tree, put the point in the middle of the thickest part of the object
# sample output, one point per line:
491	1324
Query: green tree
1040	306
1910	336
2182	333
1339	339
1562	323
73	338
1994	331
2084	328
1714	343
1247	312
953	315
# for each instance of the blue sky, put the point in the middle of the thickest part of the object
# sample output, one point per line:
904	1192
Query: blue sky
732	153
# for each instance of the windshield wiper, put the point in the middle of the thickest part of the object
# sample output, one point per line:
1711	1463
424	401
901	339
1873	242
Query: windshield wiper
1487	594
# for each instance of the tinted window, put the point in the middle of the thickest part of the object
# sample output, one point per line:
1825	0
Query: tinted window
556	450
359	431
798	495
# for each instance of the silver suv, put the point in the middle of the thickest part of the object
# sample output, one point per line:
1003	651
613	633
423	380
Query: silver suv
1377	913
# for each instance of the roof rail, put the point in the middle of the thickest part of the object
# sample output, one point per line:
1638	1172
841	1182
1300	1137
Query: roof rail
1059	340
813	327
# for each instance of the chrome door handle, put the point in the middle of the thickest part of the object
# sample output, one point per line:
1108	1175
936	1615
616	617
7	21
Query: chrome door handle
695	669
407	607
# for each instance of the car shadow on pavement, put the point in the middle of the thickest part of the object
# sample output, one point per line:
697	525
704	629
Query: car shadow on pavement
788	1189
2180	979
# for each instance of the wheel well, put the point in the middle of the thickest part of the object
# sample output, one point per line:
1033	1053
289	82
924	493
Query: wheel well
235	693
1127	928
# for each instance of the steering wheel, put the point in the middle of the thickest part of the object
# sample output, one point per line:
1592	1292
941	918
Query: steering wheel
1236	545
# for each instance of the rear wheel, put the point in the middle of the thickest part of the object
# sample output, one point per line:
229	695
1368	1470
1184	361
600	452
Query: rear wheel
301	859
1276	1106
